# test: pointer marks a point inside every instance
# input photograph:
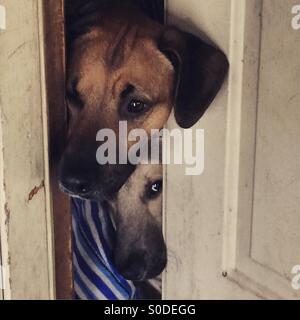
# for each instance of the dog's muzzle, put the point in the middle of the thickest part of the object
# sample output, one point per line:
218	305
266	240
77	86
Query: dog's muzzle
140	256
81	176
140	266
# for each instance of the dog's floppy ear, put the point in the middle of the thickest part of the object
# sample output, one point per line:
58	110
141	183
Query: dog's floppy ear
200	71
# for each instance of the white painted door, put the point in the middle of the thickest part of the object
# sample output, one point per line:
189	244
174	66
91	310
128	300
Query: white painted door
234	233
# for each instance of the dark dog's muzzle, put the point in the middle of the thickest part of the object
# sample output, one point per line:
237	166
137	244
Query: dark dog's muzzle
140	252
77	175
80	175
141	265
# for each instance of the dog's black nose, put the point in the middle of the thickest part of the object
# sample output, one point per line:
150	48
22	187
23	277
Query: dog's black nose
75	186
77	174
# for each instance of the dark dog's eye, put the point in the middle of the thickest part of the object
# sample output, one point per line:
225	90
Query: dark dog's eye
73	95
154	189
136	106
133	103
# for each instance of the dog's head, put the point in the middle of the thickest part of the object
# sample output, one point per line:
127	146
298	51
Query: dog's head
140	252
124	66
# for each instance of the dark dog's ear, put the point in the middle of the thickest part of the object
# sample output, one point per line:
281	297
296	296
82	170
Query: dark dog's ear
200	71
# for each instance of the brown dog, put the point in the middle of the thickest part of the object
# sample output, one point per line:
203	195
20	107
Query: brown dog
124	66
140	252
137	211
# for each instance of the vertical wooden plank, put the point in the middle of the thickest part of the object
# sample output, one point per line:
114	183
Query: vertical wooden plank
25	215
55	74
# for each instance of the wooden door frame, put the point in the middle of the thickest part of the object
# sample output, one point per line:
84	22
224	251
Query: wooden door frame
55	78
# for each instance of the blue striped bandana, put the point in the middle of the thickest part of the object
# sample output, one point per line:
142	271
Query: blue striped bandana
94	276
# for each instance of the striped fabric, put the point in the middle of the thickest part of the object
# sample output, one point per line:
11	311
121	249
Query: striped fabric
95	278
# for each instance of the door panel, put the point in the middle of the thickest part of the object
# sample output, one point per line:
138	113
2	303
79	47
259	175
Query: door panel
233	233
276	222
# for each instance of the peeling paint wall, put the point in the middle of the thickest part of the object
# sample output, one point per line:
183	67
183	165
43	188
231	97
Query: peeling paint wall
26	228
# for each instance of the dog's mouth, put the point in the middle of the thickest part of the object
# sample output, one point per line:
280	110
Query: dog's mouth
138	269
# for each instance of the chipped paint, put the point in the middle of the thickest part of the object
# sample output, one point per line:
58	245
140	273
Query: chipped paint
35	191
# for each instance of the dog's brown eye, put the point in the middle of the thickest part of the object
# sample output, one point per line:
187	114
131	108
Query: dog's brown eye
136	106
155	189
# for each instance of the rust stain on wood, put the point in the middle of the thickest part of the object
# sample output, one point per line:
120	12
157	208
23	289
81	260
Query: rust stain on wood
35	190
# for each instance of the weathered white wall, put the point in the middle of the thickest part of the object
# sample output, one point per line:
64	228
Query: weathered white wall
26	228
194	220
233	232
